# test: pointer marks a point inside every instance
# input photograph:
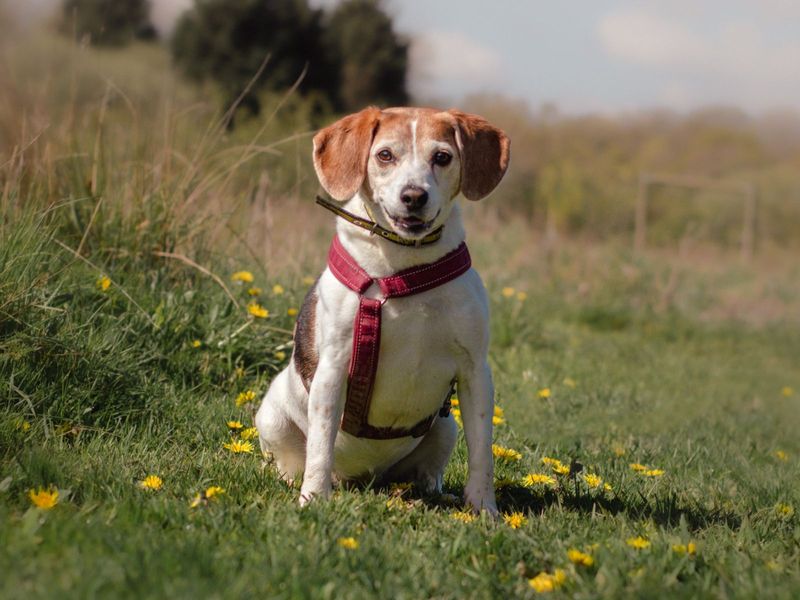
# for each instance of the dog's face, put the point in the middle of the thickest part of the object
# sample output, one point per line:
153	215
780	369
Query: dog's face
411	163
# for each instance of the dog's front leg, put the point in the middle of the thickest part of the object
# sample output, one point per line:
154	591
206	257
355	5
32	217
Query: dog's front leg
325	405
476	395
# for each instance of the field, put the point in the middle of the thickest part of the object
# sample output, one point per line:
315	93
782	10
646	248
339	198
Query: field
125	343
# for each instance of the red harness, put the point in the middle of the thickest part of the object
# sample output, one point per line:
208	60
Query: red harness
367	330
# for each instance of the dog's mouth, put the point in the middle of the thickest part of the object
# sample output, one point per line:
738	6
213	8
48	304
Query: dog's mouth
411	224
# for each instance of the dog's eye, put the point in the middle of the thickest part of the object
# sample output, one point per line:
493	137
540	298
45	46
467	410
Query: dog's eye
442	159
385	156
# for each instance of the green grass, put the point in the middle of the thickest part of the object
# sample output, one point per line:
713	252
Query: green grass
114	390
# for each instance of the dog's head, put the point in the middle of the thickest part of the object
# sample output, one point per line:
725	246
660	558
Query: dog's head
411	162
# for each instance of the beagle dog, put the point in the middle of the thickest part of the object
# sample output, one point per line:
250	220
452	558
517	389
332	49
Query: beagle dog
398	317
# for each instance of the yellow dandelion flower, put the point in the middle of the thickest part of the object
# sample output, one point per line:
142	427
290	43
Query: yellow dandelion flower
350	543
234	425
498	412
607	488
245	398
254	291
42	498
151	482
546	582
508	292
582	559
551	462
196	343
638	467
787	391
569	382
505	453
454	401
498	420
515	520
532	479
781	455
103	283
561	469
242	276
457	416
280	355
292	312
784	510
464	516
638	542
250	433
592	480
653	472
690	548
214	491
239	447
258	311
308	280
522	296
544	393
22	425
277	289
197	501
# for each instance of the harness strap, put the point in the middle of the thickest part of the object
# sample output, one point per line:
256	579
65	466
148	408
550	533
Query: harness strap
367	331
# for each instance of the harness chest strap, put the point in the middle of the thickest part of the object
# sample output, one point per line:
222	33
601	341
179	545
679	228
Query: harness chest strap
367	329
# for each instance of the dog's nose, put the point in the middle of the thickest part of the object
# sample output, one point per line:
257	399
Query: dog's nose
413	197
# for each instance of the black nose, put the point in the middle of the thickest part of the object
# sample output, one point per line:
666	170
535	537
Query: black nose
413	197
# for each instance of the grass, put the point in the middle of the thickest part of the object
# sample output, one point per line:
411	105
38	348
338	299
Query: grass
685	363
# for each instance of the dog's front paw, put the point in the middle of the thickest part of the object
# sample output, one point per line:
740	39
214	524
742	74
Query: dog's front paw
481	498
309	494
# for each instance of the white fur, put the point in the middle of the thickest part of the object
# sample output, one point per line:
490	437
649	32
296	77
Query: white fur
426	340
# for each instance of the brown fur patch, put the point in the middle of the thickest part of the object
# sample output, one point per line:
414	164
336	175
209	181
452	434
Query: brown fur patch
484	154
305	355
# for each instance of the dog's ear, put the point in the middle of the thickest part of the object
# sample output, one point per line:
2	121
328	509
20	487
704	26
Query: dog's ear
484	154
341	152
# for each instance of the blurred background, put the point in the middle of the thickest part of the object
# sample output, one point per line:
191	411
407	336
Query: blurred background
670	127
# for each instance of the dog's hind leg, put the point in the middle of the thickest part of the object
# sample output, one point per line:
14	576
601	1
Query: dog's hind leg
278	434
426	464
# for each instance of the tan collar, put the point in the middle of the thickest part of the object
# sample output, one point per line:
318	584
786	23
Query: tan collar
374	228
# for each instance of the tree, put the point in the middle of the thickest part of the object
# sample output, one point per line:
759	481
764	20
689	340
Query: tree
372	59
107	22
227	41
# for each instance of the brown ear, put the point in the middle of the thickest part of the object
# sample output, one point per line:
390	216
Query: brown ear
341	152
484	154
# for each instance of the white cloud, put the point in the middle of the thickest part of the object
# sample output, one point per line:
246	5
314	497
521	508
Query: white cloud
732	62
451	62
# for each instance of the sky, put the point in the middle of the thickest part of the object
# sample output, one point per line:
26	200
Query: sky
595	55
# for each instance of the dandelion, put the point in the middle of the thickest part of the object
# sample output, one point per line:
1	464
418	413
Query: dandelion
42	498
250	433
454	401
515	520
254	291
456	412
242	276
22	425
505	453
239	447
638	542
787	391
234	425
607	488
277	289
280	355
681	549
508	292
292	312
214	491
152	483
522	296
781	455
350	543
592	480
499	412
245	398
308	280
653	472
464	516
544	393
196	343
546	582
255	309
569	382
638	467
533	479
582	559
546	460
561	469
103	283
203	497
784	510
